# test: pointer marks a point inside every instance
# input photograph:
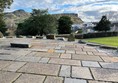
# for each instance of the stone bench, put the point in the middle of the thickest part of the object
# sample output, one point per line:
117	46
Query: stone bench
21	45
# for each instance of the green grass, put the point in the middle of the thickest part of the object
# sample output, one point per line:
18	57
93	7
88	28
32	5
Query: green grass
111	41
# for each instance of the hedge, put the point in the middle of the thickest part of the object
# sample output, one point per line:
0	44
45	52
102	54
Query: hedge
96	35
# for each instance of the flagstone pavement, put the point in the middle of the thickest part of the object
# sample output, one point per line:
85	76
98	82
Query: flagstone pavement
54	61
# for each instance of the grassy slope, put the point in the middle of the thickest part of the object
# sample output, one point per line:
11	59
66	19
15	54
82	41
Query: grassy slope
111	41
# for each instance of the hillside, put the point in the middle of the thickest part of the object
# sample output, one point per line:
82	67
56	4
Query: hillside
13	18
74	17
20	15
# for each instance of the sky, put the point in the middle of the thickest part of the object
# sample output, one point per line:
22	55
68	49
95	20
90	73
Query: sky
87	10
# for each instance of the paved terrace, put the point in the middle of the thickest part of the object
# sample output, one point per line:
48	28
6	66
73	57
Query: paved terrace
52	61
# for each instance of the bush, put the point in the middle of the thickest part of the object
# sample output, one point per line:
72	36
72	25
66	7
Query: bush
71	37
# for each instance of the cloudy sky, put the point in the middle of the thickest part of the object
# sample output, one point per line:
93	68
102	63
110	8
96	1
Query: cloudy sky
87	10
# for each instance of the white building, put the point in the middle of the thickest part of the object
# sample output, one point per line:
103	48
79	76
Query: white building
114	26
88	27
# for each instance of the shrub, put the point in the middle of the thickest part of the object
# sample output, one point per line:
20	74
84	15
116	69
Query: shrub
71	37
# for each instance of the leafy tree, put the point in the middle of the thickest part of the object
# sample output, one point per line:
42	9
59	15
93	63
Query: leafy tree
47	25
38	24
103	25
2	24
3	4
64	25
38	12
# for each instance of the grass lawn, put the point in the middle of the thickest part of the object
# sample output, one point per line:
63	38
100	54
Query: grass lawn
111	41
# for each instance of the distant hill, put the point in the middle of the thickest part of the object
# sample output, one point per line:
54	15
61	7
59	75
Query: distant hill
13	18
74	17
17	16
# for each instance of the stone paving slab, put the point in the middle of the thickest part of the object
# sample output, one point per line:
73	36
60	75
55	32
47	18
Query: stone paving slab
65	61
66	56
53	61
81	72
50	51
47	55
38	68
51	79
8	77
38	49
29	78
110	59
89	50
78	49
59	51
70	80
21	52
105	74
91	81
100	54
86	57
90	64
88	47
6	52
90	53
29	59
81	53
44	60
109	65
9	57
70	51
31	54
57	48
65	71
14	66
4	64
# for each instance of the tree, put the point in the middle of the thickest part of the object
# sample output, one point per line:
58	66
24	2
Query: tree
103	25
3	4
38	24
64	25
47	25
2	25
38	12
